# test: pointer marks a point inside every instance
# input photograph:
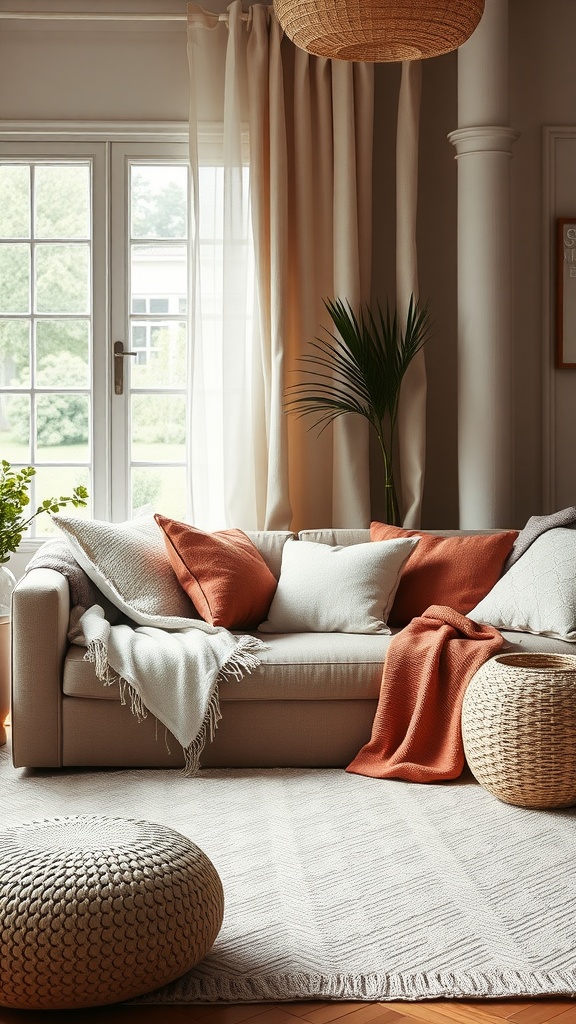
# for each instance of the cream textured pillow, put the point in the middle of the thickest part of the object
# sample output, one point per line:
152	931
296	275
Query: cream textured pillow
538	593
128	562
332	589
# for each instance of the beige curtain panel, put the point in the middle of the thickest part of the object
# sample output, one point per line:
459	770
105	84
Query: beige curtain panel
412	405
296	186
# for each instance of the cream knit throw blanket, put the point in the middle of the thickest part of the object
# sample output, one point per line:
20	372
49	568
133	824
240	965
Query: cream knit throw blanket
173	675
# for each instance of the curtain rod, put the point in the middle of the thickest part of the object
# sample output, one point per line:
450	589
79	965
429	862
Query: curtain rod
99	16
90	16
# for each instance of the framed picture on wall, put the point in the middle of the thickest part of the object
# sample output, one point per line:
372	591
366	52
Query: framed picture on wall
566	292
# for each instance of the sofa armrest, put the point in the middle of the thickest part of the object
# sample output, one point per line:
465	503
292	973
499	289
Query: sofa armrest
40	614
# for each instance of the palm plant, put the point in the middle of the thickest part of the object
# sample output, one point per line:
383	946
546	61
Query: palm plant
360	369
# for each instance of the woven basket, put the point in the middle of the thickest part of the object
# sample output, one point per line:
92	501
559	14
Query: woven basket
519	728
379	30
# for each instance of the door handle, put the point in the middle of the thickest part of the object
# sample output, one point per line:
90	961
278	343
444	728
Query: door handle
119	353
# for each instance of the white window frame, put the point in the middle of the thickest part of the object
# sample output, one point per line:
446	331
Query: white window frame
91	141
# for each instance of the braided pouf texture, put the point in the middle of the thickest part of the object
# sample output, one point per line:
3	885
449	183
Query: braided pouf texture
519	728
95	910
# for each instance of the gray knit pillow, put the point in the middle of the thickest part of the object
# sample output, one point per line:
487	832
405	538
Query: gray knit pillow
538	594
129	564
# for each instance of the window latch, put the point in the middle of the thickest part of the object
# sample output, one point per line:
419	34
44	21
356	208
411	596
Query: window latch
119	353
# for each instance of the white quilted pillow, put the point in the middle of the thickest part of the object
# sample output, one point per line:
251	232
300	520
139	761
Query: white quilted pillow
128	562
538	593
333	589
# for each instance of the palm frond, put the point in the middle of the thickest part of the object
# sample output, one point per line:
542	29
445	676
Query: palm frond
359	368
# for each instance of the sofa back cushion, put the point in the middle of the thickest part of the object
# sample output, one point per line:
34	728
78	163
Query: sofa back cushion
342	538
270	544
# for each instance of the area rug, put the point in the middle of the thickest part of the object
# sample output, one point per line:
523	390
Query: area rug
343	887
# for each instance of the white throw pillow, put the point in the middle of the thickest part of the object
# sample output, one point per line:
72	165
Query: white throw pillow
128	562
333	589
538	593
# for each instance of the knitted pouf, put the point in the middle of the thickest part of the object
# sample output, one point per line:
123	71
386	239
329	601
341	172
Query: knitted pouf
95	910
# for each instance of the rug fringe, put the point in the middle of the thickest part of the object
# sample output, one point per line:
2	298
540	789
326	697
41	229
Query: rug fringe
365	988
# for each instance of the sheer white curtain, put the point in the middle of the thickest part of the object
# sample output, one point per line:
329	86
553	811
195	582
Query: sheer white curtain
303	126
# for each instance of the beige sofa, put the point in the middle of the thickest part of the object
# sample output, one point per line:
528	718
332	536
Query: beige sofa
310	703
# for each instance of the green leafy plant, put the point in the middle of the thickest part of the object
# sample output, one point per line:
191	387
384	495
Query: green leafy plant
360	369
14	499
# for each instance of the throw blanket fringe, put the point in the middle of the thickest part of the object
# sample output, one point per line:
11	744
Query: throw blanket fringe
417	733
173	675
242	660
193	752
96	654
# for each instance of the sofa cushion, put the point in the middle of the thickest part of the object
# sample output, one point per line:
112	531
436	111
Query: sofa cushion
324	588
294	666
223	573
298	666
129	564
538	593
454	571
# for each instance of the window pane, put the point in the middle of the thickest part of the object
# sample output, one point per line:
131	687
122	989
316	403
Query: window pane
14	201
62	278
56	482
15	428
62	427
62	353
62	201
14	278
159	200
163	487
14	353
158	428
159	270
161	351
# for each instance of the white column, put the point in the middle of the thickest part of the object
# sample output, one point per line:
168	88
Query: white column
483	144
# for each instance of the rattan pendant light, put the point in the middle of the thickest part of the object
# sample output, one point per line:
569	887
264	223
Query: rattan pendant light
378	30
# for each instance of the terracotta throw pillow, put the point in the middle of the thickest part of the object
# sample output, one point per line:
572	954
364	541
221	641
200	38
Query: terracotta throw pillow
453	571
223	573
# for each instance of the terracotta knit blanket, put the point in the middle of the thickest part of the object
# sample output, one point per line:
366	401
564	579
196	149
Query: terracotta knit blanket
416	733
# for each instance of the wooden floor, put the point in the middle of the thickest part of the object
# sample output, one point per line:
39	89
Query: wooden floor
561	1011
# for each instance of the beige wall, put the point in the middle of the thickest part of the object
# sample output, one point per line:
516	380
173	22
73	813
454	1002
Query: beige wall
66	70
543	92
72	71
